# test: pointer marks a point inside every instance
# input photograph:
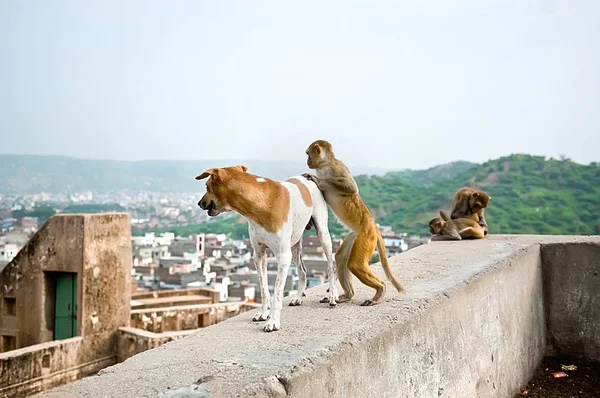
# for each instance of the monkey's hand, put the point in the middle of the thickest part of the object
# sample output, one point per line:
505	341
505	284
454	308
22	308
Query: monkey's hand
311	177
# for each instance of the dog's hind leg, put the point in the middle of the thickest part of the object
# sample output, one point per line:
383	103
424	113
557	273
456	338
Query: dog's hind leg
284	258
260	261
297	257
320	222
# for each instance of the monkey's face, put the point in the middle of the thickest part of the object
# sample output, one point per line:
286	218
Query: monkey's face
436	225
479	200
219	191
318	154
314	154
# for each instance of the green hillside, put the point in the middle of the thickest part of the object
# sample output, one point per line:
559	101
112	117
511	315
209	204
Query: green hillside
530	195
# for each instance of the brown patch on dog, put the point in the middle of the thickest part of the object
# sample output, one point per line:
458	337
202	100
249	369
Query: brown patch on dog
303	190
266	203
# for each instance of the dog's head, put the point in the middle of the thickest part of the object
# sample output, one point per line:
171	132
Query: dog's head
216	200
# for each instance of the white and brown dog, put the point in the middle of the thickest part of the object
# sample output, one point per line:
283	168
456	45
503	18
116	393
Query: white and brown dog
277	214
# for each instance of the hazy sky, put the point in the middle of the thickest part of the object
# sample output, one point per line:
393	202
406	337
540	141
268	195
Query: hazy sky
391	84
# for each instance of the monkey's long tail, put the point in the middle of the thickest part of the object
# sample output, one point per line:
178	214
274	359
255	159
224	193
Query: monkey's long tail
386	264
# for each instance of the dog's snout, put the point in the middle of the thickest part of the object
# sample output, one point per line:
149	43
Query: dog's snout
202	204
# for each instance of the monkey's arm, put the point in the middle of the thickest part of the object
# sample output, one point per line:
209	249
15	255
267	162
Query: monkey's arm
483	223
341	185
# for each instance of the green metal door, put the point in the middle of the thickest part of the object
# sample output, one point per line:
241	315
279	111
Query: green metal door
65	319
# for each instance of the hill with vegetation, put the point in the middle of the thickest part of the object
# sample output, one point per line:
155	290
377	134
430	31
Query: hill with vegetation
22	174
530	195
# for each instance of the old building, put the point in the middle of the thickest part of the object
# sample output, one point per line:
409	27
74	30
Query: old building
63	298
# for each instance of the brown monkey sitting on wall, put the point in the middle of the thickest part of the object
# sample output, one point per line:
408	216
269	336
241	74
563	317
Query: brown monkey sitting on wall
468	202
341	194
460	228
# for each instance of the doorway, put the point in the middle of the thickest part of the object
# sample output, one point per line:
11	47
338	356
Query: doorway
61	304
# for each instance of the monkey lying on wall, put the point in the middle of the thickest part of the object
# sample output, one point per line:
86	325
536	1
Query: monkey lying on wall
460	228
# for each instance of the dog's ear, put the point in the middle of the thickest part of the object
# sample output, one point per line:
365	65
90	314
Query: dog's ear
208	173
241	168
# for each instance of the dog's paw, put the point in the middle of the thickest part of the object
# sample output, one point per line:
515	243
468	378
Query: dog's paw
333	300
261	316
272	325
324	300
296	301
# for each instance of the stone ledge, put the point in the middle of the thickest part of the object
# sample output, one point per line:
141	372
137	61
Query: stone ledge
472	323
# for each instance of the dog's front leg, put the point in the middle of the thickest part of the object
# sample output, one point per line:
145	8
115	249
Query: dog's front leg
284	258
260	261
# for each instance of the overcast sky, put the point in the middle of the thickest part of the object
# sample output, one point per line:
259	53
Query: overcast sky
391	84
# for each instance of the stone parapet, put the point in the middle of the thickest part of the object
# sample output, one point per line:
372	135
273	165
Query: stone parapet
472	323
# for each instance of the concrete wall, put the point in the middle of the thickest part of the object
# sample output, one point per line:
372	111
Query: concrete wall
106	279
572	286
187	317
98	249
471	324
133	341
210	293
43	366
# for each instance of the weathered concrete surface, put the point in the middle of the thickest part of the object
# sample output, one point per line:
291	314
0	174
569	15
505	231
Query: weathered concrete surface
471	324
572	296
133	341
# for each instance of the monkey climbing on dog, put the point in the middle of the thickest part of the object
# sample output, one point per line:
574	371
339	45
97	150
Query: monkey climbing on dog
468	202
460	228
341	194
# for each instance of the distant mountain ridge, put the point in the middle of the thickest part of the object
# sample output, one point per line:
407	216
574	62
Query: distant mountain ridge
20	174
530	195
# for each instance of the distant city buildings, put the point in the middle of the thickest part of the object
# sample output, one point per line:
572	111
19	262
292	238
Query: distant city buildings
217	262
166	261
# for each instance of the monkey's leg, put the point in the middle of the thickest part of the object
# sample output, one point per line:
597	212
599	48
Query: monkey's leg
453	235
472	233
297	257
358	263
341	263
